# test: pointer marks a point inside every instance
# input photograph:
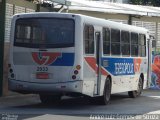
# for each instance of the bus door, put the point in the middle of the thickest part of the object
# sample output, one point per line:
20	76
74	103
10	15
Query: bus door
149	71
98	61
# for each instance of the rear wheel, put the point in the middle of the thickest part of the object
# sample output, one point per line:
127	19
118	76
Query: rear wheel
136	93
104	100
50	99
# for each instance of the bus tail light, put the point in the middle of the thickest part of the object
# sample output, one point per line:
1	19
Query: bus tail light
12	75
11	72
76	72
78	67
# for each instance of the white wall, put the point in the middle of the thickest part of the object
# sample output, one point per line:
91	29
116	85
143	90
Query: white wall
118	1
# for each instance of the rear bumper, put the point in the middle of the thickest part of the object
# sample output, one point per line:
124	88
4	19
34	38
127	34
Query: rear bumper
30	87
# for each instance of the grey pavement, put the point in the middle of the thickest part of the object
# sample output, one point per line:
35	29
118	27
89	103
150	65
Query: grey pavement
29	107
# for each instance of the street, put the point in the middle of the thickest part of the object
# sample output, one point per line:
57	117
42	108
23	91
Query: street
29	107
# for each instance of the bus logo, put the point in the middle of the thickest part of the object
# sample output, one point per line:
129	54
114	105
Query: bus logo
45	58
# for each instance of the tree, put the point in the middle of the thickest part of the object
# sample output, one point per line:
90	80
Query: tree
155	2
146	2
135	2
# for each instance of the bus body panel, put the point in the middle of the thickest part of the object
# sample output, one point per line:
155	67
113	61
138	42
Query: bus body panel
125	77
31	66
46	88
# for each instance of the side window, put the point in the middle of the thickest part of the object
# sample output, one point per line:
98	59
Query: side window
134	44
142	45
125	43
89	39
115	42
106	41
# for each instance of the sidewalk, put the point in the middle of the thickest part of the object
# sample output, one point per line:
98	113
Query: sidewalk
151	92
13	99
12	96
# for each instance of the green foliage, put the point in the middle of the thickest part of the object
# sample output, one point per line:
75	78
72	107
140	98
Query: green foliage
146	2
135	2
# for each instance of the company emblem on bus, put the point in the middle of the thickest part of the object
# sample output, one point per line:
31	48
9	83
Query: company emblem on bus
45	58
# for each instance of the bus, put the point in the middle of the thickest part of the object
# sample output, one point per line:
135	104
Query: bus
57	54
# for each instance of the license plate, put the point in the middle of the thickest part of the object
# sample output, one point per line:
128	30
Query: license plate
42	76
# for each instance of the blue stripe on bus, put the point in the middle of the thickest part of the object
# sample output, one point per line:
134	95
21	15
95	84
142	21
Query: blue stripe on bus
119	66
67	59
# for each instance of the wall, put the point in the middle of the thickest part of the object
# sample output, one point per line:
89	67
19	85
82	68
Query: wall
155	82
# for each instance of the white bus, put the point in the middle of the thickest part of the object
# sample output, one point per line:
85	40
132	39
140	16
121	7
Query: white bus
56	54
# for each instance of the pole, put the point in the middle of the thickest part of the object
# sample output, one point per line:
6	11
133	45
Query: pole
130	19
38	8
2	34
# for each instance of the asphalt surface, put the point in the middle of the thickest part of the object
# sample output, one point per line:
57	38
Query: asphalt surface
29	107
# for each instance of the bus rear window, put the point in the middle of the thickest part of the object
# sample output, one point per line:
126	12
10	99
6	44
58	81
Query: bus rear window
44	32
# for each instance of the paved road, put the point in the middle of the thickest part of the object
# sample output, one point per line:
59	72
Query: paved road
29	107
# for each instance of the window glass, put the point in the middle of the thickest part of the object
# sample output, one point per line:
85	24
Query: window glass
134	38
143	51
115	42
134	50
115	48
46	32
23	33
115	35
125	49
89	39
142	45
142	39
125	37
125	43
134	44
106	40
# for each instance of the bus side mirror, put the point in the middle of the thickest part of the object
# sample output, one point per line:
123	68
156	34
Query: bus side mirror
152	38
153	43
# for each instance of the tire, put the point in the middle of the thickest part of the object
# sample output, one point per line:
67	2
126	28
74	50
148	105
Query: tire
105	99
50	99
136	93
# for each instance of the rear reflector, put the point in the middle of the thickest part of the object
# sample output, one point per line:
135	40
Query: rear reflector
73	77
42	76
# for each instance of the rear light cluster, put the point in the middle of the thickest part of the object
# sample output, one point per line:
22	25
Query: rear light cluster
11	72
76	71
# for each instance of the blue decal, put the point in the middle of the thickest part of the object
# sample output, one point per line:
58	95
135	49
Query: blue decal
67	59
119	66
